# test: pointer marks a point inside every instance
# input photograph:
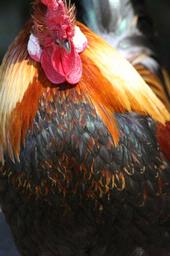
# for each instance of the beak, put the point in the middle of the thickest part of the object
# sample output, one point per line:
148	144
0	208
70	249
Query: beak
67	46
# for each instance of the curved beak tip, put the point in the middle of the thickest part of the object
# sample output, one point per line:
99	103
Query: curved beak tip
67	46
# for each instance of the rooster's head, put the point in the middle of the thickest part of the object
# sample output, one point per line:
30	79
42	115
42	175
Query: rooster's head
56	41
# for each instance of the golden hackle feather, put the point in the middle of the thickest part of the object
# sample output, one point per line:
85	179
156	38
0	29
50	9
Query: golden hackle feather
17	73
166	77
123	88
155	83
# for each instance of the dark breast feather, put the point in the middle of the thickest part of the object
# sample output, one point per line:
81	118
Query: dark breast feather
74	191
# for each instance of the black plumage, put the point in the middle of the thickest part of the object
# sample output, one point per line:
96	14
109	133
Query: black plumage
79	194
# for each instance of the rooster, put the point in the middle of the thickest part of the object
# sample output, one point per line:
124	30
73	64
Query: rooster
81	170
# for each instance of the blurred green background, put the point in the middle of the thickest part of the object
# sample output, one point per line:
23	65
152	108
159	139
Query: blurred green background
13	13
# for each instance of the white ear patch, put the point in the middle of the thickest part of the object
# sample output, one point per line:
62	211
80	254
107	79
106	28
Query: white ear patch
34	48
79	40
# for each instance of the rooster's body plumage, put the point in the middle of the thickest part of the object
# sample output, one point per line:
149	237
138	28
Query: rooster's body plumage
102	200
82	172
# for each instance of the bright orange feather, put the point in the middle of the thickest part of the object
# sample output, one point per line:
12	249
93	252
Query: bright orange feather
155	83
111	89
22	116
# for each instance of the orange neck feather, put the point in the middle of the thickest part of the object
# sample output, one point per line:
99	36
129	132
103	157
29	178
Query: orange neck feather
113	85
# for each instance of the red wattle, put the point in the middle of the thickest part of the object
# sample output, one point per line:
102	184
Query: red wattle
49	70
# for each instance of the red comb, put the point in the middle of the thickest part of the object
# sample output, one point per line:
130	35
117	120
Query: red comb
57	18
53	4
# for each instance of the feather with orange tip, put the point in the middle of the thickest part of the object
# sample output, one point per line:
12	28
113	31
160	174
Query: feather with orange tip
109	82
155	83
162	89
159	82
18	72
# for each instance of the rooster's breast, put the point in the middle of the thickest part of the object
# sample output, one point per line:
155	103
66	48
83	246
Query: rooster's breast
75	192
